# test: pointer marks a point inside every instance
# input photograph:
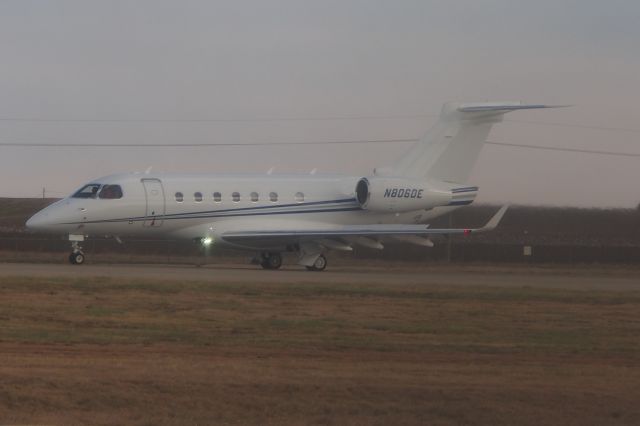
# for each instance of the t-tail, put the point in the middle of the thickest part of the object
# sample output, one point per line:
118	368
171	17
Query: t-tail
435	171
450	149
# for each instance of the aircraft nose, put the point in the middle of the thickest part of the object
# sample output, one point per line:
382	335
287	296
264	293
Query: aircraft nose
38	222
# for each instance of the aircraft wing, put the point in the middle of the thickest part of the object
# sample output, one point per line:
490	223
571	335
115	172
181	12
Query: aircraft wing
249	237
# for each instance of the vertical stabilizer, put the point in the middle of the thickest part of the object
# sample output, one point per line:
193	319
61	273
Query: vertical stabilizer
452	146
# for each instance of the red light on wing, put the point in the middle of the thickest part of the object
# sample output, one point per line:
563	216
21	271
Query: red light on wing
467	231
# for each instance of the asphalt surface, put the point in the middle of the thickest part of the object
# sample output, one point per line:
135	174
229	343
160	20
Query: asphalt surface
520	276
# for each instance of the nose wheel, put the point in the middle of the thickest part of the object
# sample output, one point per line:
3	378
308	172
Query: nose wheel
77	256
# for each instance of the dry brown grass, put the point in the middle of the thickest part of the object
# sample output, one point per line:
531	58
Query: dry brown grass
106	351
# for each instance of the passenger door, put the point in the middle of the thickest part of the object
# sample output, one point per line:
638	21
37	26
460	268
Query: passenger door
154	193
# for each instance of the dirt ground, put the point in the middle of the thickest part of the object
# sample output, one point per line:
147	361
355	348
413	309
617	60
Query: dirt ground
218	345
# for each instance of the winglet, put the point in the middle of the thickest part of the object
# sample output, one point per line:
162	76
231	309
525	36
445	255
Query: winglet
494	221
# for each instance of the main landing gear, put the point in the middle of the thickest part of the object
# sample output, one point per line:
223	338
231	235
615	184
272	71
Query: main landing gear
271	260
319	265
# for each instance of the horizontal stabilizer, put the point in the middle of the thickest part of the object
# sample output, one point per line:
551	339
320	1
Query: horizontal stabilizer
503	107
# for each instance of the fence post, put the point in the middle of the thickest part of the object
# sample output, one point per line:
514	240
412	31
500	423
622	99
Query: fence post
448	255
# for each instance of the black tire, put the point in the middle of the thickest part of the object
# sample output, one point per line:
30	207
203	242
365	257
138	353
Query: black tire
76	258
319	265
271	261
275	261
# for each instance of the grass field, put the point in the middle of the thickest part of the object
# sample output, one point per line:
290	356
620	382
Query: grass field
113	351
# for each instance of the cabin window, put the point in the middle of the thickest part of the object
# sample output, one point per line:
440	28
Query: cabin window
197	196
299	197
273	197
235	197
254	197
179	197
217	197
87	191
110	192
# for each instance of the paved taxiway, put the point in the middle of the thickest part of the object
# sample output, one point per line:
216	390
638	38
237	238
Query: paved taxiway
560	278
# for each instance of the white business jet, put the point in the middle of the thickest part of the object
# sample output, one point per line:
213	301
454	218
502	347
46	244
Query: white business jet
305	214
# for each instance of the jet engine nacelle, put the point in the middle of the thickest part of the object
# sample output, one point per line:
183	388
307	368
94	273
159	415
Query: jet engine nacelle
400	195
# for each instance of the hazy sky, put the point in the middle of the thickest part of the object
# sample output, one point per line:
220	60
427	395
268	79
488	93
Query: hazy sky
273	59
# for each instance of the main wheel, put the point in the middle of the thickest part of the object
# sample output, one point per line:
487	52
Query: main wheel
319	265
76	258
272	261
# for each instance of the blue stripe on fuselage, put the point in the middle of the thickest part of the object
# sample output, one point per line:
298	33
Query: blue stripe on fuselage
313	203
468	189
225	213
460	203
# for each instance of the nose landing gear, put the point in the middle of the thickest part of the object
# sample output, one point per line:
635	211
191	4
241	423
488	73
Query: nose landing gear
77	255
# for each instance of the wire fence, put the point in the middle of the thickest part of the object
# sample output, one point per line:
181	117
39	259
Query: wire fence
179	251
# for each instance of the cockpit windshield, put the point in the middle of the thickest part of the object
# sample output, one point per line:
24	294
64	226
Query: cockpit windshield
110	192
98	190
87	191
